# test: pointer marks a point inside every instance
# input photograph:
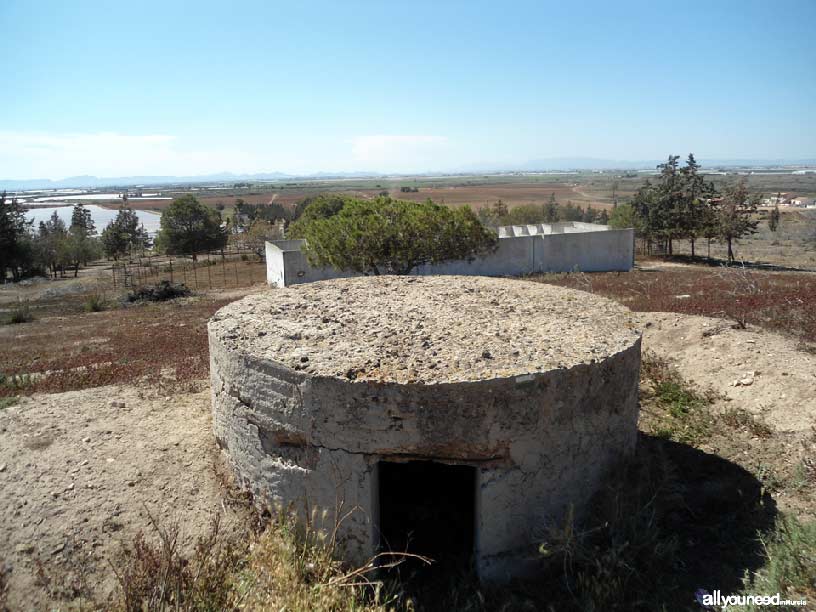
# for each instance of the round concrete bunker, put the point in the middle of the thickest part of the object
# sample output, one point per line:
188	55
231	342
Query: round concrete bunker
484	407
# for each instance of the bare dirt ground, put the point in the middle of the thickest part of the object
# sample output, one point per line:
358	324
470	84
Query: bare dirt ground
81	471
762	372
763	390
792	245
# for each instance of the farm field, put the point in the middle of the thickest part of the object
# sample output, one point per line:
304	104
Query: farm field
476	191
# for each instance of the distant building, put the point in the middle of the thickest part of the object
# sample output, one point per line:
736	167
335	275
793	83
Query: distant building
802	202
779	199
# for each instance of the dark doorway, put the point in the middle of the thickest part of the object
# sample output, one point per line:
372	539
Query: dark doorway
428	509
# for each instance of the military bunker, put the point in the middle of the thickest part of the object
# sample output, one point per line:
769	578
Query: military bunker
449	416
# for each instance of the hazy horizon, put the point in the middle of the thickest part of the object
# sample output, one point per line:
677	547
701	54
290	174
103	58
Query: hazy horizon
156	89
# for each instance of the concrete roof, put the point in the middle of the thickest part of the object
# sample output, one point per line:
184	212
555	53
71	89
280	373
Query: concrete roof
437	329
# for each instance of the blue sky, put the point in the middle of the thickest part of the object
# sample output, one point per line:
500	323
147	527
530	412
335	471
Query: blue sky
114	89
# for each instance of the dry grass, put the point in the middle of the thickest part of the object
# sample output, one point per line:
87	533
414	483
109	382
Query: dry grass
156	575
282	567
153	342
20	313
779	301
672	408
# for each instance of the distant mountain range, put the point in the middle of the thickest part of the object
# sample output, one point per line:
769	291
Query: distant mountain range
128	181
565	164
554	164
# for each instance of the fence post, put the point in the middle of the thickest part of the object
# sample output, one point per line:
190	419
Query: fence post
236	273
195	275
209	274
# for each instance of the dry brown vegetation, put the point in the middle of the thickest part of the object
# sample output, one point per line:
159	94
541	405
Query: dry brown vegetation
146	342
778	301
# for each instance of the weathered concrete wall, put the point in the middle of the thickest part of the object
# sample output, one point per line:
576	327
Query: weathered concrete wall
612	250
557	247
287	265
513	256
540	442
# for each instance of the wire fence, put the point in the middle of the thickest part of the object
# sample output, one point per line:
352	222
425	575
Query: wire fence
206	271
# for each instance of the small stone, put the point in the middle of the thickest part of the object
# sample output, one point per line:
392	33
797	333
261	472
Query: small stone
86	440
70	487
486	355
58	549
3	468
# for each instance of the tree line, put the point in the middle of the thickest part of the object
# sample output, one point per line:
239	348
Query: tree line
550	212
682	205
53	247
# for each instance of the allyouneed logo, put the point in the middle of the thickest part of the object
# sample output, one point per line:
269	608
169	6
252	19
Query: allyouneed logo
718	600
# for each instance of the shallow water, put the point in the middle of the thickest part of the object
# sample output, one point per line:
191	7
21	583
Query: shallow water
101	216
99	196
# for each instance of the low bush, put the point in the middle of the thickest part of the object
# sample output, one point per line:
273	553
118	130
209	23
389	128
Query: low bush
8	402
21	313
161	292
15	382
159	576
790	564
96	302
282	568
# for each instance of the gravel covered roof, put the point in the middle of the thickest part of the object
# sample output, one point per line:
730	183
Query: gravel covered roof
431	329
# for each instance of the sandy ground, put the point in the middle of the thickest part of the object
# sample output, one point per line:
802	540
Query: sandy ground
767	374
79	470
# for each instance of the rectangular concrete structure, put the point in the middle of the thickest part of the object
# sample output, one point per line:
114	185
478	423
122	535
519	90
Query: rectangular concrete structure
522	249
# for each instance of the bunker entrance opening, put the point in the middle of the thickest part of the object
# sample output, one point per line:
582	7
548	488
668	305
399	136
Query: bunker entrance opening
428	509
